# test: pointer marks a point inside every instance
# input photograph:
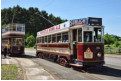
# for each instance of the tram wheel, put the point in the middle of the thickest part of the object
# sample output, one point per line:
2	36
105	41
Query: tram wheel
63	61
40	55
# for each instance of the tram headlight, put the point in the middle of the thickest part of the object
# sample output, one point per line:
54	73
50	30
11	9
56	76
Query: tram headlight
99	54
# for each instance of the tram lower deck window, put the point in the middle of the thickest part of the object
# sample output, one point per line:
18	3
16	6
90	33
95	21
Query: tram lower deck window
97	34
38	41
59	40
88	36
65	37
53	38
49	39
17	41
42	39
46	39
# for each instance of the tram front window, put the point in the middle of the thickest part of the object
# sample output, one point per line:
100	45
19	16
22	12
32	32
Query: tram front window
17	41
97	35
88	36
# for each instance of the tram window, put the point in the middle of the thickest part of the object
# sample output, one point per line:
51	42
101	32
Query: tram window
19	41
13	28
59	40
75	35
80	35
6	29
19	28
42	39
65	37
88	36
13	41
5	42
53	38
38	40
46	39
97	35
23	28
49	39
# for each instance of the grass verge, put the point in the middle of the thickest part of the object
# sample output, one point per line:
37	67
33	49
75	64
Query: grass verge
29	47
9	72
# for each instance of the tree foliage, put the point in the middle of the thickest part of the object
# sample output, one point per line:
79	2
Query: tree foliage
112	39
33	22
30	41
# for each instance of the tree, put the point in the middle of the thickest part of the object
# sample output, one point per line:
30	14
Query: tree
33	22
109	40
30	41
116	44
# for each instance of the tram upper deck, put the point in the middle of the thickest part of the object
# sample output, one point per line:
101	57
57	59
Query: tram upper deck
13	30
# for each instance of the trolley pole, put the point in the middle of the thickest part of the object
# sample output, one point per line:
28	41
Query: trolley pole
44	18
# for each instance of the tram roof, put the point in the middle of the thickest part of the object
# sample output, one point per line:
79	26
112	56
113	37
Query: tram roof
90	21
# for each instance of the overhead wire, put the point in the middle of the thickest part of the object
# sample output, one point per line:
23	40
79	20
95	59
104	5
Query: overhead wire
44	7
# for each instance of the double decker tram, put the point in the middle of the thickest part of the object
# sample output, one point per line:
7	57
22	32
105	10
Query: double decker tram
13	35
78	42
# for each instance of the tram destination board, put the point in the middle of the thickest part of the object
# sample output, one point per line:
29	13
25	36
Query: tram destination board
95	21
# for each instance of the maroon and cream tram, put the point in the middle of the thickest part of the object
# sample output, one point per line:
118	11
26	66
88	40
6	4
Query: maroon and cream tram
78	42
13	35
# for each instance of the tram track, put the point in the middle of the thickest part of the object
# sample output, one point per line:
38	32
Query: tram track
110	72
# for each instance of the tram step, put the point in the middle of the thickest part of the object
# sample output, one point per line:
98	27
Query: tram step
77	65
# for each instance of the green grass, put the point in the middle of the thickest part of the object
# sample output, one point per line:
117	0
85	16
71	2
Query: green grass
9	72
29	48
111	49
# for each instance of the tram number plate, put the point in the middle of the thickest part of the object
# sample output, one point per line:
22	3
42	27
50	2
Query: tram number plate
88	54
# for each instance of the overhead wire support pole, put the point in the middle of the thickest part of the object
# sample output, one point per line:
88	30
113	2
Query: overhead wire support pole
44	18
14	13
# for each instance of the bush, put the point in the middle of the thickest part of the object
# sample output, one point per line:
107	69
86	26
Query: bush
30	41
119	46
116	44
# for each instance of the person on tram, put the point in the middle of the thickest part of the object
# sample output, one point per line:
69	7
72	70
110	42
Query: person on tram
60	41
96	40
88	37
65	39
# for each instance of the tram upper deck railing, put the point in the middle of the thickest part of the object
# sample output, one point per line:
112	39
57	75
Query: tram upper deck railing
13	28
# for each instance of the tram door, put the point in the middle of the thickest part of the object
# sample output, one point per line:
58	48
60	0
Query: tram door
74	43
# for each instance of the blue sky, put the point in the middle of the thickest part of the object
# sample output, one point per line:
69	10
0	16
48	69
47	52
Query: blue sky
108	10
